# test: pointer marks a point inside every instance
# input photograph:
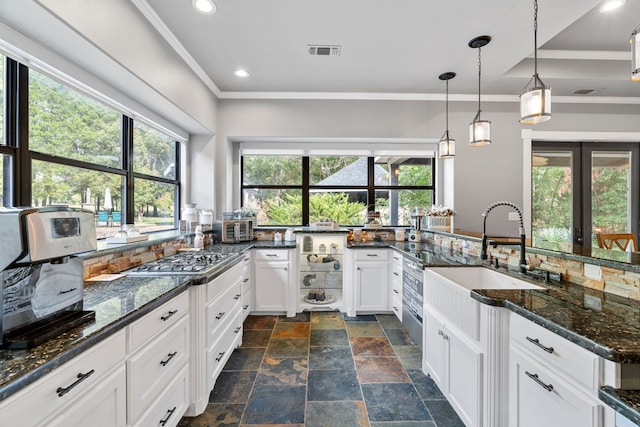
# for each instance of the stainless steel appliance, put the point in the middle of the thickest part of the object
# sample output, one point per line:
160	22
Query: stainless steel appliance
415	234
412	299
42	283
200	262
235	230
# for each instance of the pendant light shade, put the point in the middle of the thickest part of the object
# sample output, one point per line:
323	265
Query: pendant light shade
479	129
535	101
635	55
447	145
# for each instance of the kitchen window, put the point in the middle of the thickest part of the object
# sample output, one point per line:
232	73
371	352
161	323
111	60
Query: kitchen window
81	151
297	190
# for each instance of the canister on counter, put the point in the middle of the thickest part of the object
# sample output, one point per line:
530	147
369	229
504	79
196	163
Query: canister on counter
307	244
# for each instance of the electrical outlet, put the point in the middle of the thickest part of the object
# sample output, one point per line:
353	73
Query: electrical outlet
513	216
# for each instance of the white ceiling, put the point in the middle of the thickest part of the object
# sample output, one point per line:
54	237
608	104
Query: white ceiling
398	49
390	50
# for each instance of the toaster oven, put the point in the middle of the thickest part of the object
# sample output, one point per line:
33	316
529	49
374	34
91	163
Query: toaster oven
233	230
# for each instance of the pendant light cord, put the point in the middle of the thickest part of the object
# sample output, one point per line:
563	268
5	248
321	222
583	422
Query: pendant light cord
535	37
447	108
479	75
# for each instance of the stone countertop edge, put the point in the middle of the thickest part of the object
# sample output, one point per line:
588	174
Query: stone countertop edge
625	402
13	385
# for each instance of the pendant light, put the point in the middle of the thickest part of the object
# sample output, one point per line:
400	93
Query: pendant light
447	146
479	130
635	54
535	101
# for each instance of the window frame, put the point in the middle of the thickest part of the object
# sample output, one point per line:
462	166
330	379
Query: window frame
307	188
16	134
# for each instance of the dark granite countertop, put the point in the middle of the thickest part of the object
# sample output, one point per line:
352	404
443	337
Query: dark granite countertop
626	402
116	304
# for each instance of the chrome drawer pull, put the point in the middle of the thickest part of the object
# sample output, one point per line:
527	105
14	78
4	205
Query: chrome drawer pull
219	358
245	280
536	342
219	316
271	255
236	330
395	308
81	377
168	315
168	359
166	419
67	291
237	296
396	291
534	377
245	307
396	274
372	254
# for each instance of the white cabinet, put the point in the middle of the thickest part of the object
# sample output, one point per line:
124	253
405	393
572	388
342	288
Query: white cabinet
456	365
539	397
465	351
552	382
158	357
216	314
272	278
395	281
247	284
370	281
92	382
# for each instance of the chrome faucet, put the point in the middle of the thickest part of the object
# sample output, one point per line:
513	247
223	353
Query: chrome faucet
494	243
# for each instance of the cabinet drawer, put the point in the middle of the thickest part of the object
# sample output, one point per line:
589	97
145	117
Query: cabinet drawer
371	254
103	406
272	255
65	385
157	321
539	397
221	283
221	310
168	409
152	368
554	351
218	354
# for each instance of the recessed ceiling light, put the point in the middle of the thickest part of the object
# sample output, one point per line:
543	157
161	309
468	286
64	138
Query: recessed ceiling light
207	7
610	5
241	73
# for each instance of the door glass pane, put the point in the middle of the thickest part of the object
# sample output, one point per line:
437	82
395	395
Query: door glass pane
551	199
610	192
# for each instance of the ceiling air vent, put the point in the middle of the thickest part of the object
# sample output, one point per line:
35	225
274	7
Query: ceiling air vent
584	91
324	50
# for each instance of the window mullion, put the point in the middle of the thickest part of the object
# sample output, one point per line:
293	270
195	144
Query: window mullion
127	165
20	122
305	190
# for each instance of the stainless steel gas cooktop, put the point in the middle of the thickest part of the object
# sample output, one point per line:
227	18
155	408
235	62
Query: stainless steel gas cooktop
181	263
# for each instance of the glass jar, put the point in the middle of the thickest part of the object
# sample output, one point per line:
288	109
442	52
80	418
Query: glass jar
190	213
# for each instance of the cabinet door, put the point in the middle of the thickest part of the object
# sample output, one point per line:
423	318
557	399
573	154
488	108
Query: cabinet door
435	351
372	287
539	397
271	285
465	378
103	406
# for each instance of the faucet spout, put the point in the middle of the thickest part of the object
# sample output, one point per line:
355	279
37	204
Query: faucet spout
485	238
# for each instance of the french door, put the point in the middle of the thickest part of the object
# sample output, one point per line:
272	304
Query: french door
583	188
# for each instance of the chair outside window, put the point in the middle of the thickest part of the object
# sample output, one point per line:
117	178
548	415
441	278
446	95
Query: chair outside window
103	217
116	217
621	241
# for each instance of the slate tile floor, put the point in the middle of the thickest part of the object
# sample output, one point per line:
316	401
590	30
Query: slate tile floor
324	369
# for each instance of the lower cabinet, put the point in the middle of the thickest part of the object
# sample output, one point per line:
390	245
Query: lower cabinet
456	366
103	406
92	382
538	397
272	281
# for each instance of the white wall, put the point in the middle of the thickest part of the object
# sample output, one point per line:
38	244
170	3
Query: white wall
482	175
